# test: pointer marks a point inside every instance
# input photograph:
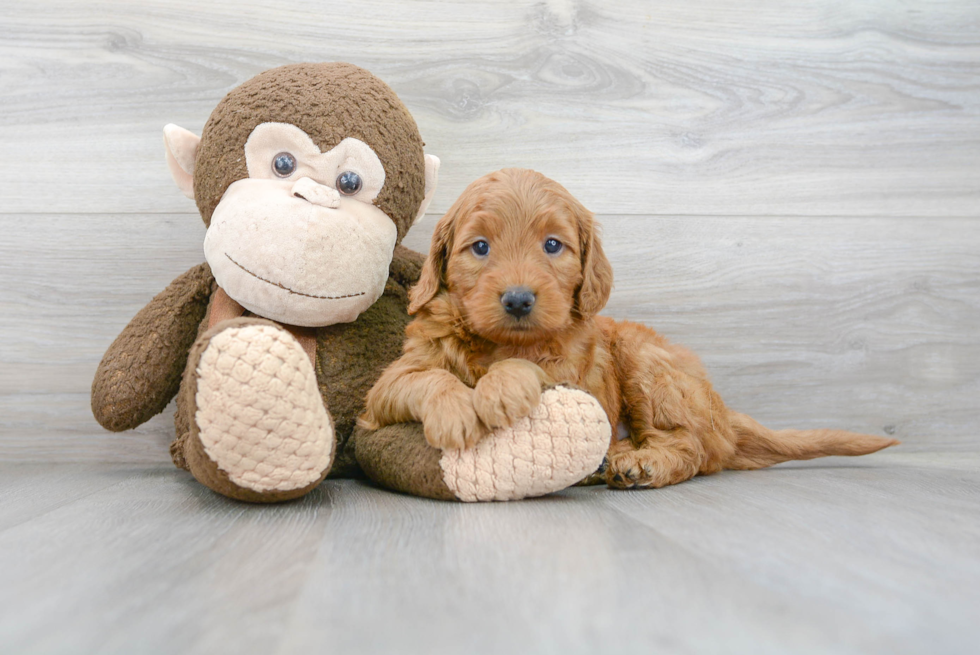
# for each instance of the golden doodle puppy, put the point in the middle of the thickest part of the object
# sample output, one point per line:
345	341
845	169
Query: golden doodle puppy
508	302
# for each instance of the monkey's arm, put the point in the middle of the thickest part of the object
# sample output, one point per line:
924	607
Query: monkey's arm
141	370
406	266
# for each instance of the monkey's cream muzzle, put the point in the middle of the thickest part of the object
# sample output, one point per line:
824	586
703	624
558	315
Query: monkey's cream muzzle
299	261
318	194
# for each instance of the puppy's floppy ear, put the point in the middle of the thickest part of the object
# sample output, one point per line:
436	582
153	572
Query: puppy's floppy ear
434	268
597	274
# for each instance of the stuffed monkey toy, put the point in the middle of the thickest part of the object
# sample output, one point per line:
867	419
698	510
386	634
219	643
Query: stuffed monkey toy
307	177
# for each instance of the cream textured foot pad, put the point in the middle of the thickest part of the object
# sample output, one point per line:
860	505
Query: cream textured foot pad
563	440
259	410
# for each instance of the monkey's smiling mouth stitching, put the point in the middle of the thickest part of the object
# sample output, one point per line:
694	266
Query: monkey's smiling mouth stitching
285	288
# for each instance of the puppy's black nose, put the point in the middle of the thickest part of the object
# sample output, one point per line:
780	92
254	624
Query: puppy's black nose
518	301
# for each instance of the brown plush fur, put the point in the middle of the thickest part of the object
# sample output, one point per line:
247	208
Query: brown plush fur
191	451
468	366
141	371
398	458
373	341
305	95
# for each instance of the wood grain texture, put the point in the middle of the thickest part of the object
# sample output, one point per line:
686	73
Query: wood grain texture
867	324
828	108
791	190
867	556
153	562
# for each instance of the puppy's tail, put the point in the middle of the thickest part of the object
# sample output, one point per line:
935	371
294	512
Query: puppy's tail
757	446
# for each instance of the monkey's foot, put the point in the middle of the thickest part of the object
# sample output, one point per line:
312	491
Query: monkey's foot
260	431
564	439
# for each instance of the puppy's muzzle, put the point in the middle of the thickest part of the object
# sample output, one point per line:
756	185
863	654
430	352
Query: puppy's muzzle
518	301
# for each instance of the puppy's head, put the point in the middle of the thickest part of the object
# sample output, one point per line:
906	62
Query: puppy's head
518	256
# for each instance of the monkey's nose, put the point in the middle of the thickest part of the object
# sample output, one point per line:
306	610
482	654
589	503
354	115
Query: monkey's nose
316	193
518	301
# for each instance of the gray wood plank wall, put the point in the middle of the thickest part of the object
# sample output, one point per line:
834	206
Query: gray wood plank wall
793	191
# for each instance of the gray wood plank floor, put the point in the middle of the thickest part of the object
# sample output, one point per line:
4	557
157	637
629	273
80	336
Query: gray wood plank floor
791	190
870	556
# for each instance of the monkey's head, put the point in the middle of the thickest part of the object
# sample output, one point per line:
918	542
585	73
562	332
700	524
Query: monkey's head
307	176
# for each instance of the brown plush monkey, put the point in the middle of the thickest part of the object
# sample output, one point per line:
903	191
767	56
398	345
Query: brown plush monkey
308	176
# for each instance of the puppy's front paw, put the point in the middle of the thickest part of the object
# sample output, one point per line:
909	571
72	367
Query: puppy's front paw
508	392
449	420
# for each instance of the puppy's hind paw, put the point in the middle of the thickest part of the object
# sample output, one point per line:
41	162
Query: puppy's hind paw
646	467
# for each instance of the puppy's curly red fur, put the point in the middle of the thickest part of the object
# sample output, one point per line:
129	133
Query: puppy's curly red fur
470	366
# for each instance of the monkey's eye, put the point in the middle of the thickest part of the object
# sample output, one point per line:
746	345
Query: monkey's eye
283	164
480	248
349	183
553	246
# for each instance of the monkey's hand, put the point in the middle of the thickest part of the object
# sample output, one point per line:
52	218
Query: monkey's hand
449	420
508	392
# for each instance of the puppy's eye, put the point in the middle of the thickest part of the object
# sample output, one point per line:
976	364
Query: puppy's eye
553	246
349	183
283	164
480	248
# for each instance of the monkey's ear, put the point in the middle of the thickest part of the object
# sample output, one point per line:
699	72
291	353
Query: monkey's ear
181	146
431	177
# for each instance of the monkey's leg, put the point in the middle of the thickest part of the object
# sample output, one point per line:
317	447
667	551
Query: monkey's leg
251	423
563	440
